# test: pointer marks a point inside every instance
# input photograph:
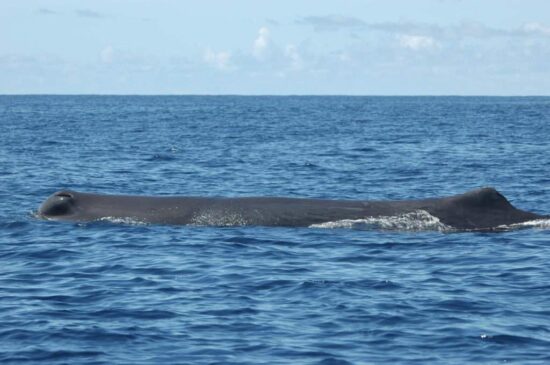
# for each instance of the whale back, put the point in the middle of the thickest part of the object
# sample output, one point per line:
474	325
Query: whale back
479	209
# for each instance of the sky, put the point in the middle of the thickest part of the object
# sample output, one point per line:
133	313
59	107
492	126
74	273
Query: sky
337	47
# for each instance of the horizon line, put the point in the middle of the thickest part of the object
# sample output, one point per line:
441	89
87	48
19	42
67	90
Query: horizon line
278	95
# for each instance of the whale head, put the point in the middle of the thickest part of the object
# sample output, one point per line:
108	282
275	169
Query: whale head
58	206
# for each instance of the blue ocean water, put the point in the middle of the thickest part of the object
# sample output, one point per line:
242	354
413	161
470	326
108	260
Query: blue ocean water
122	293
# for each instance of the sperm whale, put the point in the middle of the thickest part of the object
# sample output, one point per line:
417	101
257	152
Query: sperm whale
480	209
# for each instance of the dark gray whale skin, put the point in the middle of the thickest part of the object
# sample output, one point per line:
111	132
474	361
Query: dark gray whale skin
481	209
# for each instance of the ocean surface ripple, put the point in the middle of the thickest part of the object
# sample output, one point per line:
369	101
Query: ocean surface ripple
112	292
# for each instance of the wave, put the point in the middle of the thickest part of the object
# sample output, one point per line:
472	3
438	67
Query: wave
125	220
415	221
537	223
418	220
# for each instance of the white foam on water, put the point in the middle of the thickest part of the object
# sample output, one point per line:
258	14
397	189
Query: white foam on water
543	224
35	214
122	220
418	220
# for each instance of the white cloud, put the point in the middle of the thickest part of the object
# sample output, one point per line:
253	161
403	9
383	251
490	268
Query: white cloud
220	60
268	56
332	22
87	13
416	42
107	55
292	54
46	11
464	29
535	27
261	44
344	57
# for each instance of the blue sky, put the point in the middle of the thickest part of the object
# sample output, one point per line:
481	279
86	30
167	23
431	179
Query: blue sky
391	47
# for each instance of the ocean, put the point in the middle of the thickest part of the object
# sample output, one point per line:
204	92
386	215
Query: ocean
129	293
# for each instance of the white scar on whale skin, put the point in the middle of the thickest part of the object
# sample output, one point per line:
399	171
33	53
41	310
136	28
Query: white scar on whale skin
220	219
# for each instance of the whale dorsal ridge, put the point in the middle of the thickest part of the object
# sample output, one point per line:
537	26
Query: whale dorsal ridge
487	197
